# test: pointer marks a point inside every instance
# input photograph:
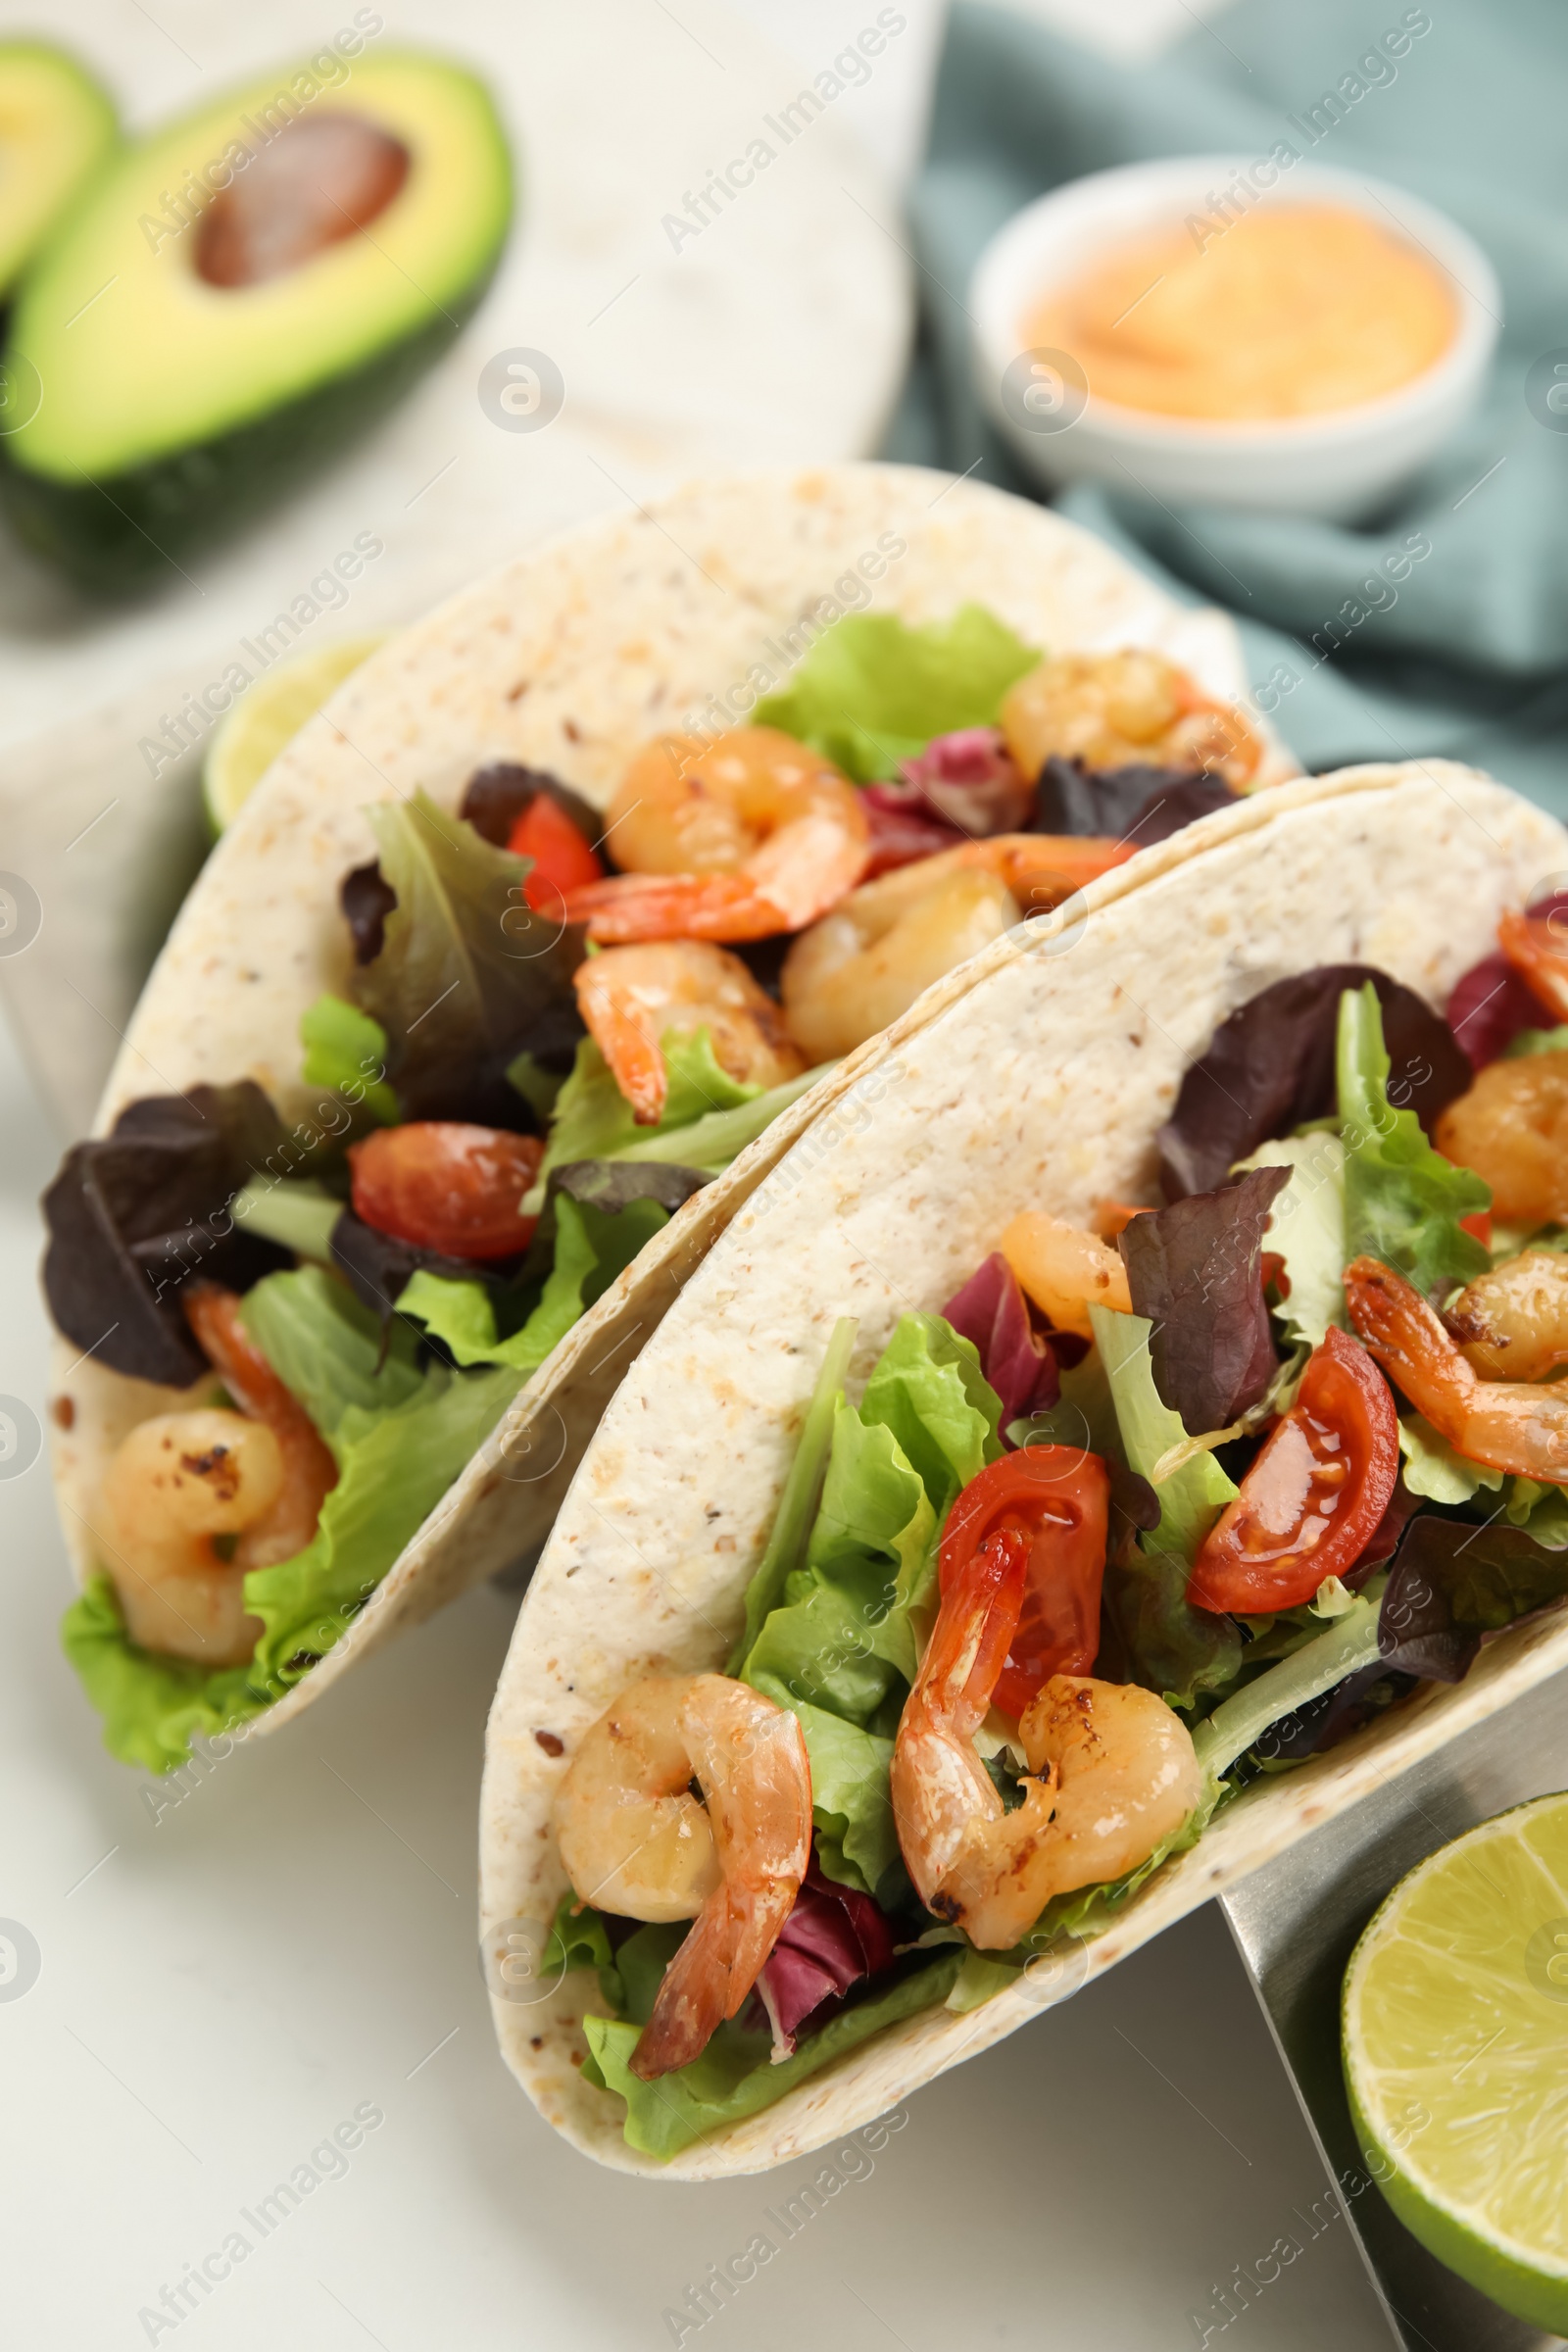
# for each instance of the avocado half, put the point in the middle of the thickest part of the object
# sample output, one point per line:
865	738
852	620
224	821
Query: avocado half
56	126
173	396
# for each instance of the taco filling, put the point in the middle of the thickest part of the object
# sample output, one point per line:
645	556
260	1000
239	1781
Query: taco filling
1147	1512
560	1024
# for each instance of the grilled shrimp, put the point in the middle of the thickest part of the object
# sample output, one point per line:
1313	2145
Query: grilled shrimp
177	1482
867	961
183	1483
630	996
634	1840
1536	945
1065	1272
1124	709
1510	1425
1513	1322
1512	1128
1111	1769
738	838
309	1472
864	963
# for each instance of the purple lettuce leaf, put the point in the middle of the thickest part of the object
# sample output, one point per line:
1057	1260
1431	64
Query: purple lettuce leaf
1270	1067
1138	803
969	780
1491	1003
134	1216
1194	1271
834	1939
1018	1361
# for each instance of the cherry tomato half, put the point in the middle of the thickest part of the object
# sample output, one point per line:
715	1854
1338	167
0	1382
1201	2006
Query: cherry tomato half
447	1187
1058	1500
1314	1496
563	859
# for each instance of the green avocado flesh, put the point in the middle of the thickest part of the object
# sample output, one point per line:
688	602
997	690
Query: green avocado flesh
56	124
172	408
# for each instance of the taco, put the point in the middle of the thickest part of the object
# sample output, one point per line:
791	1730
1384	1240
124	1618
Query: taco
426	1109
1119	1435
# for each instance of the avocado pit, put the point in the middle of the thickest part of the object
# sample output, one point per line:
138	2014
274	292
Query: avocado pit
322	180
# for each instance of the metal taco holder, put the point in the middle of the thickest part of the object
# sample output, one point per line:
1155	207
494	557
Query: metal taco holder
1296	1922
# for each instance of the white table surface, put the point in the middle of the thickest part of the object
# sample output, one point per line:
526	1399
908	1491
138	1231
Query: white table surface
226	1978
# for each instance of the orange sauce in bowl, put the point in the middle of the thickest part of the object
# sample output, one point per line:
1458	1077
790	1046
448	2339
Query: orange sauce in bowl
1292	311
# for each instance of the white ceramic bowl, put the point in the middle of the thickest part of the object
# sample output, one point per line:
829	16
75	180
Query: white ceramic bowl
1336	466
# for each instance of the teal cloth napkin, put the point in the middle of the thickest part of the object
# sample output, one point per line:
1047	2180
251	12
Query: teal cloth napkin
1471	656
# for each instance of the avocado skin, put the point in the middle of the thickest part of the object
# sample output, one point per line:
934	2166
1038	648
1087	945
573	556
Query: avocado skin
135	530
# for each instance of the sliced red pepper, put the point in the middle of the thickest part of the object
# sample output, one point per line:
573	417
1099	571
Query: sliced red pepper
1057	1499
447	1187
563	859
1314	1497
1479	1223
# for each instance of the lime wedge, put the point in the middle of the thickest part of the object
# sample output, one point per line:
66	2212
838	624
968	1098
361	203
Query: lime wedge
1455	2033
267	716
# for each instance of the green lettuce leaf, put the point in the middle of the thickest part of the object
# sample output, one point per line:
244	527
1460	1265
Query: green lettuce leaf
928	1388
1402	1199
1169	1645
592	1247
468	974
346	1052
873	691
802	1492
1306	1226
843	1646
1542	1511
1085	1911
393	1469
578	1938
1537	1040
1433	1469
400	1438
300	1214
1192	1498
152	1707
327	1347
733	2078
593	1119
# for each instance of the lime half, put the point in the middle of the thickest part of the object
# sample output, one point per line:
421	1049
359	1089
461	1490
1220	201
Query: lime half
269	714
1455	2045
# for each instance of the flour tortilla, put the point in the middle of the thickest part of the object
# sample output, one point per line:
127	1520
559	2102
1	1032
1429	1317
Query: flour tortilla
568	659
1034	1077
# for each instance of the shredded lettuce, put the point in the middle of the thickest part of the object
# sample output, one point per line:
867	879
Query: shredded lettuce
1402	1199
873	692
400	1438
346	1052
592	1247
